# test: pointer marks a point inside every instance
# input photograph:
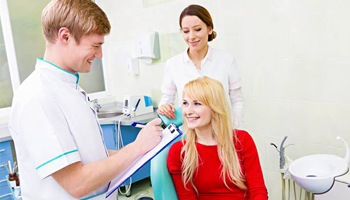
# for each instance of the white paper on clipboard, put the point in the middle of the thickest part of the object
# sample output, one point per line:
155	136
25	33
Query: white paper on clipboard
170	133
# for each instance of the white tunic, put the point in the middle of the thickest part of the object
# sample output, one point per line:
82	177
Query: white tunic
217	64
53	126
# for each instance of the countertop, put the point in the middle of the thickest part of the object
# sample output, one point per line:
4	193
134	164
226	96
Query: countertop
4	133
125	121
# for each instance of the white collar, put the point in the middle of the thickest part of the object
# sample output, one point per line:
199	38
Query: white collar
61	73
208	56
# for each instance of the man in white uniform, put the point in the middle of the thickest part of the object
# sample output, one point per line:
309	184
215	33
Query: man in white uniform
60	150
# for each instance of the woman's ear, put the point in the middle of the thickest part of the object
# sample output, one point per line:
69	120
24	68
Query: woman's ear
210	30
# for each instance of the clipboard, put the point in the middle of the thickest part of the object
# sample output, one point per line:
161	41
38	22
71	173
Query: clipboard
170	133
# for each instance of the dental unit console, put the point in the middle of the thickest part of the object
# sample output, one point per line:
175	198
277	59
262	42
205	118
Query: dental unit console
135	105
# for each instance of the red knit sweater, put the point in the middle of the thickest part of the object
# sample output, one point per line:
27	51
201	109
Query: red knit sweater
208	182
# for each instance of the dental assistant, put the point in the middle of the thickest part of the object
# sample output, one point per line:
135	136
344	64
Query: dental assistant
58	140
200	60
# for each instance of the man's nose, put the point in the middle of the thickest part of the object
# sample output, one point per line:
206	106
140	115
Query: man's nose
99	53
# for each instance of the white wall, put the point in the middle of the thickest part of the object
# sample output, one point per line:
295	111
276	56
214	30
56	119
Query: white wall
293	57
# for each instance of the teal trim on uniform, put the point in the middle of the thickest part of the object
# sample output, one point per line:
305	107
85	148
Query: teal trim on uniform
74	74
57	157
96	195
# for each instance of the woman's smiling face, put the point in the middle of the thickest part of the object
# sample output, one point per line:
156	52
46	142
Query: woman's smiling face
195	32
197	115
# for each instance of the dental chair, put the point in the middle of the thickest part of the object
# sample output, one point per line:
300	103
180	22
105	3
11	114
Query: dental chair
162	184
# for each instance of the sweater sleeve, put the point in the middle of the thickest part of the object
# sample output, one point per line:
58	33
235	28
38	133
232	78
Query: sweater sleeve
174	167
251	167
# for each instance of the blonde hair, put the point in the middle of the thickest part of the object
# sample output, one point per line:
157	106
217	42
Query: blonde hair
211	93
81	17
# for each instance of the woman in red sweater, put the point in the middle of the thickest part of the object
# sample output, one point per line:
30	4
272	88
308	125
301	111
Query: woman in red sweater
213	161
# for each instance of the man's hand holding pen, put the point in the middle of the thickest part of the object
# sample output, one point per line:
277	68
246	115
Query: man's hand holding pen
150	135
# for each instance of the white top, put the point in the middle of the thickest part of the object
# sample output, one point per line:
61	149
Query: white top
217	64
53	126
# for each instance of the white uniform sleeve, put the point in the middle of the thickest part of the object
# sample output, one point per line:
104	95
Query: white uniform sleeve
236	96
168	87
46	136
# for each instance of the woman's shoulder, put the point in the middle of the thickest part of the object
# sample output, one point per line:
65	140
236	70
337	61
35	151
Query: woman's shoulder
177	146
175	150
243	136
241	132
222	53
177	58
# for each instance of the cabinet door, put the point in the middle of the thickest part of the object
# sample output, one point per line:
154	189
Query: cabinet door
109	136
5	156
5	152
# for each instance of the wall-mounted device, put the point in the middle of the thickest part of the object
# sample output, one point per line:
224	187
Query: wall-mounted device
147	46
135	105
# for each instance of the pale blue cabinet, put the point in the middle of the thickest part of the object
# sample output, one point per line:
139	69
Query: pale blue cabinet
5	156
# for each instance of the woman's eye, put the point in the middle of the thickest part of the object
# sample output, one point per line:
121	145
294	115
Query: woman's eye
198	29
184	103
186	31
197	104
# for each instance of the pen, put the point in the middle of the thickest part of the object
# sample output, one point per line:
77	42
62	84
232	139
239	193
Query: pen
137	104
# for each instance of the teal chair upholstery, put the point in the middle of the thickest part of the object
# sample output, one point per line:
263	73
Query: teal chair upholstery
162	184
